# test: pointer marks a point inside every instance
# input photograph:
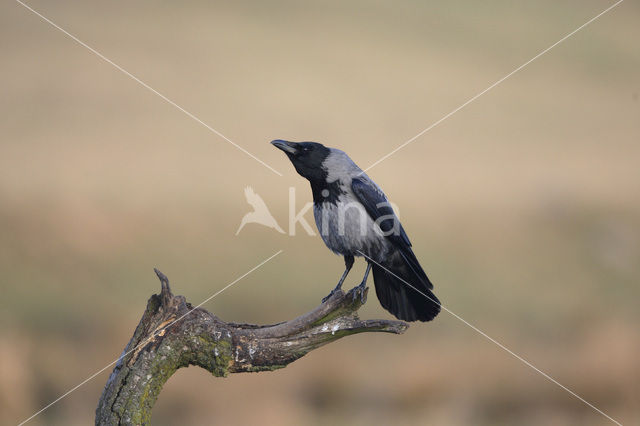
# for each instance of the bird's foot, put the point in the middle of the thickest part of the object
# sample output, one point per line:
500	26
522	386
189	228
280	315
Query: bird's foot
361	292
328	296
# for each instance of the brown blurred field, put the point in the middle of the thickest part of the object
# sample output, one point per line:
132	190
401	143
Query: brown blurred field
524	207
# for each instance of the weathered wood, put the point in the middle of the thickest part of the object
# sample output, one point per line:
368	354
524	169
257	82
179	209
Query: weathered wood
172	334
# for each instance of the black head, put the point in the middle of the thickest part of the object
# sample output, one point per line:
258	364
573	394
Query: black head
307	157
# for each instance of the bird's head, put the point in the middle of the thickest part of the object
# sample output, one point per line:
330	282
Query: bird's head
307	157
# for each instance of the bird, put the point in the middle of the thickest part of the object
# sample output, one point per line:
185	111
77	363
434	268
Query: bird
355	219
260	213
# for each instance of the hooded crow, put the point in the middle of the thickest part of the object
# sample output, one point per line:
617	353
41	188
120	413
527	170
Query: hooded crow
355	218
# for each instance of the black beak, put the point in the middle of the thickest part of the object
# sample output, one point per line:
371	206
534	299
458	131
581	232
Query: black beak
287	147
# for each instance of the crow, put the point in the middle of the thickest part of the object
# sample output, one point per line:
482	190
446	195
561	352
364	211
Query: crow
354	218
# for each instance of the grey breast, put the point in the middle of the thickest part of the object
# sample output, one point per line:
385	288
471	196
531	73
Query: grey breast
346	227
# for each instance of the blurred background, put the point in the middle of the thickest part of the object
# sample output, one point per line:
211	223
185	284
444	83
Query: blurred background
524	207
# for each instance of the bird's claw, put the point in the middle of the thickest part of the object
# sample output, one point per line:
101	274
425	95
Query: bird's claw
360	291
328	296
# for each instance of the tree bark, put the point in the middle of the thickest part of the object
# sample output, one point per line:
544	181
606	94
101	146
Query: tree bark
172	334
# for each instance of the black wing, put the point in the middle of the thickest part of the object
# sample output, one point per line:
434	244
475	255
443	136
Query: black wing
379	209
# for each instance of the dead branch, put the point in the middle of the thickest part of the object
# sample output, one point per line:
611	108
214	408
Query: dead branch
172	335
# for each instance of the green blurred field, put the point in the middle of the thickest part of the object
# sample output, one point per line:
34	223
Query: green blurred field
523	207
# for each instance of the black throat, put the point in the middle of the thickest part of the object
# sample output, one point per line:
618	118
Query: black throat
324	192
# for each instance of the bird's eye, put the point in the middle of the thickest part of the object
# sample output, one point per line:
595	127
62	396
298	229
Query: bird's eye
306	149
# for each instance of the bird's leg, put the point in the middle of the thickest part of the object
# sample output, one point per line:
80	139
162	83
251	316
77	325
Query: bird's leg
348	263
360	289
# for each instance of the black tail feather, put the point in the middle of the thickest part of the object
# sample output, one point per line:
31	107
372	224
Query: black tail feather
416	270
404	290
